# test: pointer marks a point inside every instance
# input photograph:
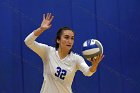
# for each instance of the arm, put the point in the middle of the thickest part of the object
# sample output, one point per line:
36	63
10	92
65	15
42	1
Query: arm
83	67
88	71
30	39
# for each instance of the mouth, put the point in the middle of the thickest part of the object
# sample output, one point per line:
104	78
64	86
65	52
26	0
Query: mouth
68	45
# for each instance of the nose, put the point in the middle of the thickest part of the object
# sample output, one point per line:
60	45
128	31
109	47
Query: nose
70	41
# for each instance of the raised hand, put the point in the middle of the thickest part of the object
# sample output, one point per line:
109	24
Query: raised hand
46	23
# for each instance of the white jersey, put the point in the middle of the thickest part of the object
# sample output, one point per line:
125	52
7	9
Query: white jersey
58	73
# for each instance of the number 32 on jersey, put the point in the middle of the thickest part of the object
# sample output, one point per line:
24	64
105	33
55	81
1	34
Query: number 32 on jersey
61	73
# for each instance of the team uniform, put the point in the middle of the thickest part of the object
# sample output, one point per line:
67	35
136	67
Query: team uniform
58	73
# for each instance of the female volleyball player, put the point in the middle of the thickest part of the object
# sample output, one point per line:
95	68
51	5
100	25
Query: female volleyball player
60	63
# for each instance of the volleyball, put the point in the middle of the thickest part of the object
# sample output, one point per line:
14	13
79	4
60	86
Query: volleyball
91	48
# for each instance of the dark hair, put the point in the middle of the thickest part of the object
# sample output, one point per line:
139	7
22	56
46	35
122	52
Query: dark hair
58	36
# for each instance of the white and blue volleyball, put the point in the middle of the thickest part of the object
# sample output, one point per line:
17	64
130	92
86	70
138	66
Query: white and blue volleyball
92	48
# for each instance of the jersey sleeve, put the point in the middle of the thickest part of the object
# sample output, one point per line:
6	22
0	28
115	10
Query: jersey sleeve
39	48
83	67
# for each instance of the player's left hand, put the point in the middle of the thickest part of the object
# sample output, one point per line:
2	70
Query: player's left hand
96	60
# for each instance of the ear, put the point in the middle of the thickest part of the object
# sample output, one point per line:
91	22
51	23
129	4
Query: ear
58	41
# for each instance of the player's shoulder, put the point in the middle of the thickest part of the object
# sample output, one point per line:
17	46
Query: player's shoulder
49	49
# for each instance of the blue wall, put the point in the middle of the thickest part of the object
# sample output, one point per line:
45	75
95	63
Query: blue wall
116	23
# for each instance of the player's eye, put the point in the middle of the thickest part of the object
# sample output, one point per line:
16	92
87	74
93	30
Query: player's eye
72	38
66	37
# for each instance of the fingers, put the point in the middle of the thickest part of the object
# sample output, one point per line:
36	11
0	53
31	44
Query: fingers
97	59
51	18
102	57
48	17
43	16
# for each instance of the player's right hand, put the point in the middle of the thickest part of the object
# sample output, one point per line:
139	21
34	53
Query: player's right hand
46	23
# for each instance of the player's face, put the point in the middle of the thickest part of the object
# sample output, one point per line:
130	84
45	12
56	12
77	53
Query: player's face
66	40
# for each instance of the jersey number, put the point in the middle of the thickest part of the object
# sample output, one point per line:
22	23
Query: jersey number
61	73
